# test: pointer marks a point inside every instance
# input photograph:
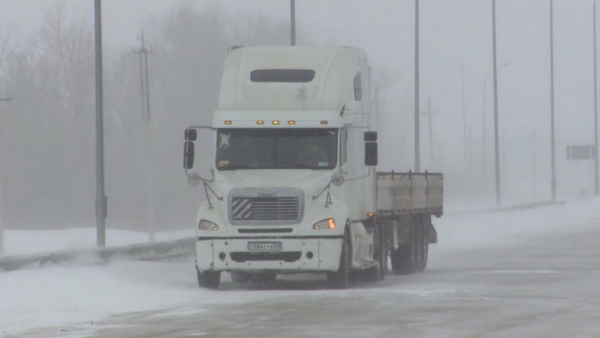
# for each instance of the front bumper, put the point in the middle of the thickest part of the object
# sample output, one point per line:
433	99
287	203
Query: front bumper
231	254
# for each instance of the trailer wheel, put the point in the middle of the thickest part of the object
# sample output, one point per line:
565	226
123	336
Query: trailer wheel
240	277
209	279
405	258
340	279
383	254
424	244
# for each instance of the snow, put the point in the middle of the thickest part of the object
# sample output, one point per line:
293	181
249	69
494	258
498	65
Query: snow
488	230
21	242
75	296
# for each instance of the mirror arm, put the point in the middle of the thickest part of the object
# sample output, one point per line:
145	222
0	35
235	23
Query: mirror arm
206	189
328	199
359	178
211	190
321	192
200	177
210	206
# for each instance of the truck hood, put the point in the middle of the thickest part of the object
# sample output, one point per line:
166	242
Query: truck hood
307	180
311	182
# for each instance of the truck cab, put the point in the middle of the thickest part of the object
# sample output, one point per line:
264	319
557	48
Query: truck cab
293	184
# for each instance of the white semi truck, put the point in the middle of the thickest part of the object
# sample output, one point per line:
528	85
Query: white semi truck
293	185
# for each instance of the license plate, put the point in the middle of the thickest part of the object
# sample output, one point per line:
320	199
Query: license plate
265	246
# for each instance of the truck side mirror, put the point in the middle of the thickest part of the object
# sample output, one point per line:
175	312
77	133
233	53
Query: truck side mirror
188	155
191	134
370	154
370	136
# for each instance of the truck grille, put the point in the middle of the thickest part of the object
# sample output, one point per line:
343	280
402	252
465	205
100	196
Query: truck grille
260	207
265	209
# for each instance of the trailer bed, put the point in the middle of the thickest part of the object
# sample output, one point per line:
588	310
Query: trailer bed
410	193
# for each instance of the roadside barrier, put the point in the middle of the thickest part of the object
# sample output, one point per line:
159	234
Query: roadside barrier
162	251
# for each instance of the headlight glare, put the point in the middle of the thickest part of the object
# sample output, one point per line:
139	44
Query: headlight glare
207	225
326	224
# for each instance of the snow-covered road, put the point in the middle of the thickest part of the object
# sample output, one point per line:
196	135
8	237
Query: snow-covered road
533	273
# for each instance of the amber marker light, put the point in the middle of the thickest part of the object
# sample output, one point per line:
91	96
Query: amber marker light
228	122
291	123
370	214
260	122
275	122
324	122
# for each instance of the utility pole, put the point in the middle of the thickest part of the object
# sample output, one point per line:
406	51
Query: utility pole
533	163
596	177
417	109
293	21
1	226
430	125
504	170
101	199
465	141
429	113
145	86
377	101
484	157
496	141
485	126
553	183
470	151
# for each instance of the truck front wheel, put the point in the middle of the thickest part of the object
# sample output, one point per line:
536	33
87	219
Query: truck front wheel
209	279
377	273
240	277
340	278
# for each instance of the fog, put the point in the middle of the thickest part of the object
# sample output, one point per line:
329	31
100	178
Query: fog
47	133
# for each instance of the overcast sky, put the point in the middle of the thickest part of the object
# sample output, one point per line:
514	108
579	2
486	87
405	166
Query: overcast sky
453	33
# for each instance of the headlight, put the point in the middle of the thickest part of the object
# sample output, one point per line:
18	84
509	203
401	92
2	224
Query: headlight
325	224
207	225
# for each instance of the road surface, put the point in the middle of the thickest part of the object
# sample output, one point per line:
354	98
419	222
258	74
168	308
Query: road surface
535	285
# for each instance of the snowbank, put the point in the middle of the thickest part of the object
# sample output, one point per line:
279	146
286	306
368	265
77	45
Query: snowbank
21	242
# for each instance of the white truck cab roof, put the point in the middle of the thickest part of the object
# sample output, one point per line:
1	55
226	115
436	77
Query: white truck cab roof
285	80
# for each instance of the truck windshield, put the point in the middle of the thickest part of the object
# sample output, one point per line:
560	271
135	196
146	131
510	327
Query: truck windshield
314	149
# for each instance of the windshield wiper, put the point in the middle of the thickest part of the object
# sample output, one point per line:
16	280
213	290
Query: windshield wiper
297	165
236	166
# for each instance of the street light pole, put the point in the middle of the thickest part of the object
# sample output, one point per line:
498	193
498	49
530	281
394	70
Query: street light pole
553	183
496	141
485	125
1	227
293	21
462	81
417	109
596	178
100	194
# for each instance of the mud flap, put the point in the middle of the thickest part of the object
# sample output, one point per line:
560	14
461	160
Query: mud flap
432	234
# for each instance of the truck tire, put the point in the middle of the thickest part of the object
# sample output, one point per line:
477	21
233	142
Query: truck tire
240	277
263	278
404	259
339	279
383	254
424	244
209	279
377	273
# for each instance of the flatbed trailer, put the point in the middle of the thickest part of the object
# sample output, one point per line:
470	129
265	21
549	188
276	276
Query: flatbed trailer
406	203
